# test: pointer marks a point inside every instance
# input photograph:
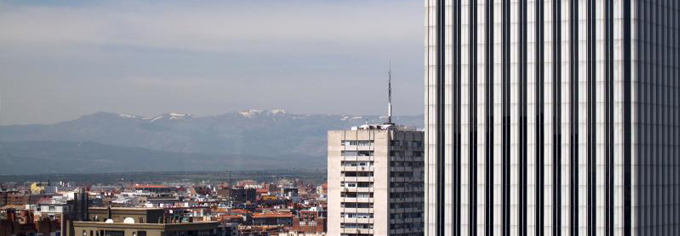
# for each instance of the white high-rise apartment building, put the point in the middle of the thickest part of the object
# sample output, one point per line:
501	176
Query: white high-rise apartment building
375	181
556	117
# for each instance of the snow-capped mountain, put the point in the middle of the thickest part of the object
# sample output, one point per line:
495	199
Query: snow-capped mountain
167	116
254	112
273	135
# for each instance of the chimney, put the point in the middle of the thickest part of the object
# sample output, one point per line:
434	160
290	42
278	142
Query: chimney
85	201
11	215
76	207
31	217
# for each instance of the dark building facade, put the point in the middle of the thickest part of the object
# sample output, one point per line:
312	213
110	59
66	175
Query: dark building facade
243	194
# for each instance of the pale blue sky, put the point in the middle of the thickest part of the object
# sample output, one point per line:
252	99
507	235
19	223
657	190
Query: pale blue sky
63	59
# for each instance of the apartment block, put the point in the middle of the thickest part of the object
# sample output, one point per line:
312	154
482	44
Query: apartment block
375	181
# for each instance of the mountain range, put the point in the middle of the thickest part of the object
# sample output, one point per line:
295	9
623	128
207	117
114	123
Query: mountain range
111	142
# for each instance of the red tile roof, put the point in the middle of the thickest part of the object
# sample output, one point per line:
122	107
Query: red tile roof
262	190
273	215
240	211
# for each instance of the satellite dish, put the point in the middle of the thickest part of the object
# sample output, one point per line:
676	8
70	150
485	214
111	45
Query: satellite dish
109	221
128	220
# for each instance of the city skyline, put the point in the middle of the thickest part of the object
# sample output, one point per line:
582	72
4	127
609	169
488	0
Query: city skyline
266	118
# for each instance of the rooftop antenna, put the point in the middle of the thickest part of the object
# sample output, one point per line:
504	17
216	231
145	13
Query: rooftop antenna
389	94
229	179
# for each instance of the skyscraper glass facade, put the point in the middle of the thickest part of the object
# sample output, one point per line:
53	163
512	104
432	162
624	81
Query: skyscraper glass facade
555	117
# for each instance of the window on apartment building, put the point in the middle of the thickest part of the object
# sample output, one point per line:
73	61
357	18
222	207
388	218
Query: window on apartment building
356	195
357	142
356	215
356	226
355	205
357	174
356	184
406	205
357	163
403	174
356	153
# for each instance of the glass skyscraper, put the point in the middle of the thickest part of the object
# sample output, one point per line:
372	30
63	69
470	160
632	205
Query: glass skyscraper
555	117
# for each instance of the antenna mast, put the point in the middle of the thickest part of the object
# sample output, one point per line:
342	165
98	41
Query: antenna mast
389	94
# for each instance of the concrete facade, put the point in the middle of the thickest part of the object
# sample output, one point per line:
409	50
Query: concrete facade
86	228
375	181
119	214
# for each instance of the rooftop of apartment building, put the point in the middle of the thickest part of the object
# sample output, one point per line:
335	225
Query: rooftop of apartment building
385	126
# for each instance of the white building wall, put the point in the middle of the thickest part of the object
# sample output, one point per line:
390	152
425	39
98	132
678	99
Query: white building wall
384	215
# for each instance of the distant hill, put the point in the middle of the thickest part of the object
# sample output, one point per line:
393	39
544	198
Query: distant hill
45	157
253	139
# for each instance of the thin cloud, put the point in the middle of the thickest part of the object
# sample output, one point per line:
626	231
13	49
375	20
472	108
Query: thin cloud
60	60
216	27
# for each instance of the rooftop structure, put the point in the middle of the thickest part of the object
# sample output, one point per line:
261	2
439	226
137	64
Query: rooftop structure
128	221
385	126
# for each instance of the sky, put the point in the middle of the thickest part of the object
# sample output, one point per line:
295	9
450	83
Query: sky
63	59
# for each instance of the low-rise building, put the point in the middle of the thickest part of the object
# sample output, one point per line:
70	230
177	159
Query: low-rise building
143	222
131	214
4	197
91	228
273	219
309	222
25	223
243	194
223	191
